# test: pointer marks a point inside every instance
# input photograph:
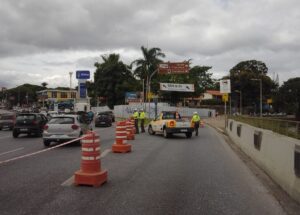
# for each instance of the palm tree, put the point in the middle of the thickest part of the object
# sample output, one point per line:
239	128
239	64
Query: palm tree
146	66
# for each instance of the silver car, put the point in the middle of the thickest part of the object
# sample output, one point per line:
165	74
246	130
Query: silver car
62	128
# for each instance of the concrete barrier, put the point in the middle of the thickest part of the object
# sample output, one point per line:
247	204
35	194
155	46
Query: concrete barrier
277	155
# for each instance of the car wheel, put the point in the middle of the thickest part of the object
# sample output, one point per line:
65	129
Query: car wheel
0	128
166	134
150	130
188	134
46	143
11	128
15	134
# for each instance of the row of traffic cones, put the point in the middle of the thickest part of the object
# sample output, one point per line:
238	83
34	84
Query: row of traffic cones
90	172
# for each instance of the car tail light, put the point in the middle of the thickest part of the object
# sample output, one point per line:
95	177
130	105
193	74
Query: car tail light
75	127
172	123
46	127
34	122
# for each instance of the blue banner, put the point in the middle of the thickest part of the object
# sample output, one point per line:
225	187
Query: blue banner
83	74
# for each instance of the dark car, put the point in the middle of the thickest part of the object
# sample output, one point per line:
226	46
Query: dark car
103	120
109	112
7	121
29	123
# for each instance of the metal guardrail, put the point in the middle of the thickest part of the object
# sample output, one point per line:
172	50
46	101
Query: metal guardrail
285	127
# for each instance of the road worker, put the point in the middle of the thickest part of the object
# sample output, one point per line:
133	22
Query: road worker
142	116
196	121
136	120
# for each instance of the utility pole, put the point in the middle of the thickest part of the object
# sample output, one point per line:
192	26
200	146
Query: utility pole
260	86
70	73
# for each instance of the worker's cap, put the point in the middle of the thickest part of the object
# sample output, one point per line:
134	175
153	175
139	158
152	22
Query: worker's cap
135	109
141	109
195	112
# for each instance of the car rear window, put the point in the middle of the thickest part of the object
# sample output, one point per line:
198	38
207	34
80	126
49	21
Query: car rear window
25	117
6	117
61	120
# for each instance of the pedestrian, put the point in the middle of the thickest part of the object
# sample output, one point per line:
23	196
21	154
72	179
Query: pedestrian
84	122
196	122
142	115
91	115
136	120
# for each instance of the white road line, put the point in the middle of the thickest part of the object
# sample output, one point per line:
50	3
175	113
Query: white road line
70	181
106	151
4	153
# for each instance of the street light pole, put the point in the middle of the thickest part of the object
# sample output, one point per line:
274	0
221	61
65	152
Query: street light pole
260	86
240	92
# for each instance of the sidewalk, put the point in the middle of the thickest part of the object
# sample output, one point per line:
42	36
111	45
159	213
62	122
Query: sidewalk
216	122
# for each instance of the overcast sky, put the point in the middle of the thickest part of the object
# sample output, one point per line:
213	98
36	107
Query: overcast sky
43	40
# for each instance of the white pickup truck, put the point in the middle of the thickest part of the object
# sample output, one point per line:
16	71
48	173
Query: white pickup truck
170	122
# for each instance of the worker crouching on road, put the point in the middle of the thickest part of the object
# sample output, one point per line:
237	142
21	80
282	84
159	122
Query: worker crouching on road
136	120
142	116
196	122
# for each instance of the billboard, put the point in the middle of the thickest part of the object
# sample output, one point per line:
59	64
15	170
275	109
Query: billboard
177	87
134	96
225	86
82	74
173	68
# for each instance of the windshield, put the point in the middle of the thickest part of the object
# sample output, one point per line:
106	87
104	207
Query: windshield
61	120
25	117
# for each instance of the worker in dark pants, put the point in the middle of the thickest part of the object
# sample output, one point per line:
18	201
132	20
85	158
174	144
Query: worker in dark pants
196	122
142	116
136	120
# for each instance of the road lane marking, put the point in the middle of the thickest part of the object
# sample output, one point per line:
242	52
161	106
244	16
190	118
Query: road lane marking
70	181
4	153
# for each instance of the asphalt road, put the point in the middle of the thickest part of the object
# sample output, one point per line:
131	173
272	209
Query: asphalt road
201	175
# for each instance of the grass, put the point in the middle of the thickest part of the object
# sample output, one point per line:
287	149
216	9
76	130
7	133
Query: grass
285	127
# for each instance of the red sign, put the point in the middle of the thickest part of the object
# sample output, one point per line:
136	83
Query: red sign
173	68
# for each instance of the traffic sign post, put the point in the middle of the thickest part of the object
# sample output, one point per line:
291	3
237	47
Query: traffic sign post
174	68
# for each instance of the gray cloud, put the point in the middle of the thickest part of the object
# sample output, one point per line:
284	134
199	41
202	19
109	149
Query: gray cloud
53	37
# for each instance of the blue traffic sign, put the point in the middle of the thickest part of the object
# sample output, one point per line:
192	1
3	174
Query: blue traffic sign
82	90
82	74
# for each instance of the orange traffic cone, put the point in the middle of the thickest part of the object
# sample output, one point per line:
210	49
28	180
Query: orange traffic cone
121	139
90	172
133	126
129	131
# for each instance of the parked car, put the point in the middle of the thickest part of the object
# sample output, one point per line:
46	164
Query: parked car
62	128
103	120
29	123
7	121
109	112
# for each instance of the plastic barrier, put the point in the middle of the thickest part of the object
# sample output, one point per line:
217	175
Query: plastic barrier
90	172
120	144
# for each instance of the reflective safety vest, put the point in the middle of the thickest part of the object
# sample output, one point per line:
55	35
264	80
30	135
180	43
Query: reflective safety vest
195	118
142	115
136	115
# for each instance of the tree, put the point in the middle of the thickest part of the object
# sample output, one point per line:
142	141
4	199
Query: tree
44	84
288	97
112	79
241	77
148	64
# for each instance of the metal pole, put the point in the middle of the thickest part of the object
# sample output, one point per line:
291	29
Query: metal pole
260	97
229	104
241	112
